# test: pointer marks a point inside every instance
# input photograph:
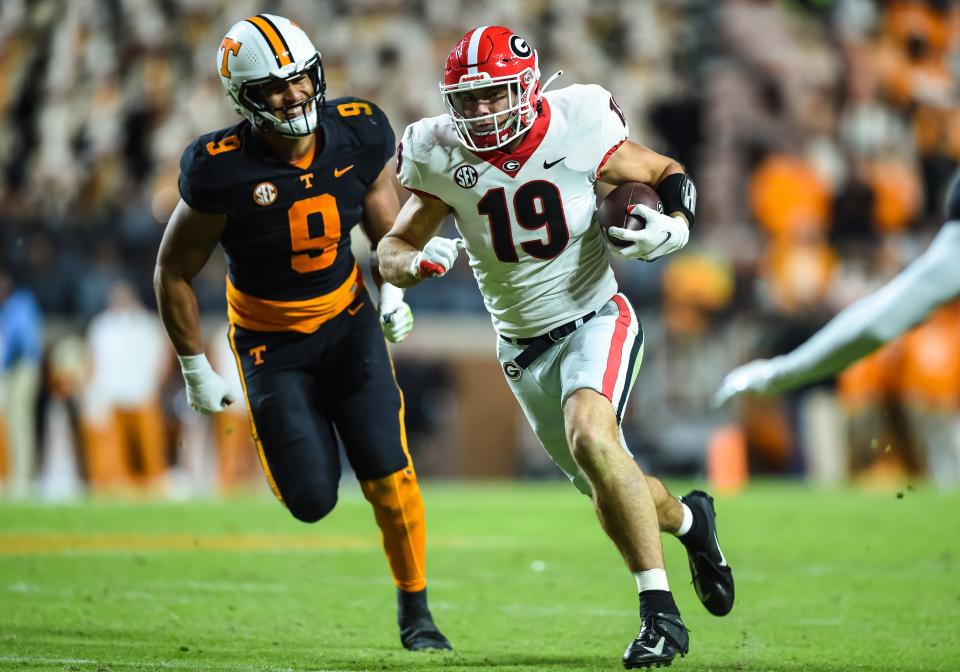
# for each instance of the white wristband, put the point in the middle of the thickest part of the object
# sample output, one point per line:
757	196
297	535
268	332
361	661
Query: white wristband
194	363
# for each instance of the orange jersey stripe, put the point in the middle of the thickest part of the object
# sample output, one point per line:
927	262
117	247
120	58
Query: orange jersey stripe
251	312
273	37
403	427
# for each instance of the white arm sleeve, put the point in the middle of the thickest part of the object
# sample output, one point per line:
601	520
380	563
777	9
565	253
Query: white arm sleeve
408	173
862	327
601	126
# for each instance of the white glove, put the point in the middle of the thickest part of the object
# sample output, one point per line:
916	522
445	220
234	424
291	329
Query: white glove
206	391
663	234
761	376
436	257
396	318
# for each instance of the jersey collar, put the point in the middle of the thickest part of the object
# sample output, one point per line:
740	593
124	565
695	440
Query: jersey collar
321	135
510	163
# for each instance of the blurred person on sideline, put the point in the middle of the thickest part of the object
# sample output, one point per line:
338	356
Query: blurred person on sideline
62	452
129	359
517	167
237	463
21	346
864	326
280	192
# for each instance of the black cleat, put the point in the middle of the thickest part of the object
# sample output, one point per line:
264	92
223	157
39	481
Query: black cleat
712	577
661	638
418	632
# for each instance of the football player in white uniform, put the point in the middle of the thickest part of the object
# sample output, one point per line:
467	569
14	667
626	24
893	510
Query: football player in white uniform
517	167
859	329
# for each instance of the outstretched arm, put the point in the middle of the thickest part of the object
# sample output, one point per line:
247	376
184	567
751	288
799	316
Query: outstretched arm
862	327
409	252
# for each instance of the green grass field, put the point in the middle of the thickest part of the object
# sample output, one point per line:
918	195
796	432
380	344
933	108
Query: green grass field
826	580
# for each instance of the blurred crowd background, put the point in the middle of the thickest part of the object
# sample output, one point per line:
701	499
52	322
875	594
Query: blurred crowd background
822	136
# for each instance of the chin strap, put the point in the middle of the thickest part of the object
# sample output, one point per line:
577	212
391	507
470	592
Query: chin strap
543	89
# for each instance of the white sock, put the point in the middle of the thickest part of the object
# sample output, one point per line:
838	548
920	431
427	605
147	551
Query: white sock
652	579
687	521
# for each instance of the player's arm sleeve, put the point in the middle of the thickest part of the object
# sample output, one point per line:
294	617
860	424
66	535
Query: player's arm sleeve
196	184
410	170
610	128
856	331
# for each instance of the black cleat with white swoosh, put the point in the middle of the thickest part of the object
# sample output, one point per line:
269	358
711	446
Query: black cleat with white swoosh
661	638
712	577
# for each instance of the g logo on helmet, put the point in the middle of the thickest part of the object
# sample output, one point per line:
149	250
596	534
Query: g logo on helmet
465	176
512	371
520	47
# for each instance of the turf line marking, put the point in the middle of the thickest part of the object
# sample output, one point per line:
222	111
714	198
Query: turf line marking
44	544
165	664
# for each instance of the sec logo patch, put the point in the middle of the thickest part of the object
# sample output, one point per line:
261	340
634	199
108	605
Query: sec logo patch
465	176
512	371
264	193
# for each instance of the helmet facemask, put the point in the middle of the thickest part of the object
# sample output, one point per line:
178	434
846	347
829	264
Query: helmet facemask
505	125
294	120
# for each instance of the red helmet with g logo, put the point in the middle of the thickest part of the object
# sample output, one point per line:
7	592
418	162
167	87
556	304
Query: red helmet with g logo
492	56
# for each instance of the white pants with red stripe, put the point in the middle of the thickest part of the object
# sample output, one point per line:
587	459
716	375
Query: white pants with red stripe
603	355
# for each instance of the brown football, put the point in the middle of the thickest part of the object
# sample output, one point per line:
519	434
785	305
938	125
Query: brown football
613	209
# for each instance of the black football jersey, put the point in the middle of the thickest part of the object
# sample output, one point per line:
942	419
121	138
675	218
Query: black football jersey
287	236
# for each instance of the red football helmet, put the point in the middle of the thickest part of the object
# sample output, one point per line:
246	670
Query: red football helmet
485	57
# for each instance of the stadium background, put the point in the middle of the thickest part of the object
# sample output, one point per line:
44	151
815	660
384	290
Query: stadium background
822	136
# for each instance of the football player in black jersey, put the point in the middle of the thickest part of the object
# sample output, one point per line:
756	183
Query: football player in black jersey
280	191
921	288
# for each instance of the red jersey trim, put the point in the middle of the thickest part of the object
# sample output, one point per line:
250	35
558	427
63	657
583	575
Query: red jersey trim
528	144
606	157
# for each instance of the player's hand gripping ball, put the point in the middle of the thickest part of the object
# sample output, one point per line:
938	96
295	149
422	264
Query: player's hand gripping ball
635	226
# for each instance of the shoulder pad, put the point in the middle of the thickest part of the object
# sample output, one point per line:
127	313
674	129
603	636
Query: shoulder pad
583	101
201	169
417	148
364	117
366	122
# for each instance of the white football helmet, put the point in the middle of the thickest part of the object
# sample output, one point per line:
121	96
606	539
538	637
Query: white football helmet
264	50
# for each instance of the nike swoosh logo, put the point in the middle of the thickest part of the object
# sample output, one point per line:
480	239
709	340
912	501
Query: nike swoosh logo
550	164
662	242
723	559
658	649
337	172
354	311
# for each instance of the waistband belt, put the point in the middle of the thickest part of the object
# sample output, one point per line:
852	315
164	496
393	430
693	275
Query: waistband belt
537	345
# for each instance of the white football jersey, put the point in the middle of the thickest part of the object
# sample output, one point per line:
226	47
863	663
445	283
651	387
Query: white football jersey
526	216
